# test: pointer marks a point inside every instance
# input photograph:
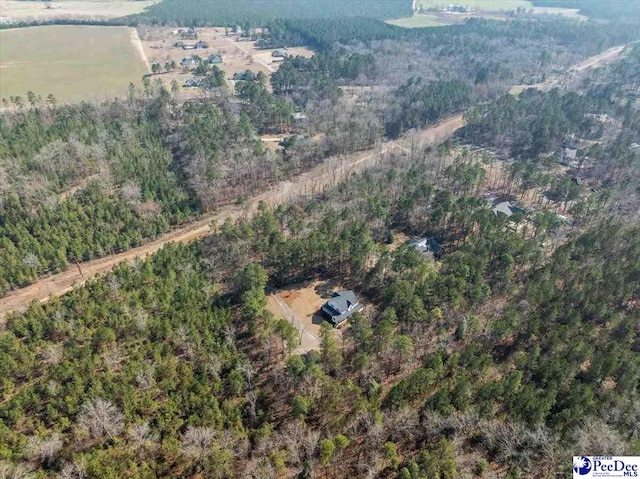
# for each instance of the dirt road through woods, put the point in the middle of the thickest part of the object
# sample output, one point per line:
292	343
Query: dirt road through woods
604	58
311	182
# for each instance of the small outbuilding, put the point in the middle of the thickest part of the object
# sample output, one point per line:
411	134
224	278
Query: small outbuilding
201	45
341	307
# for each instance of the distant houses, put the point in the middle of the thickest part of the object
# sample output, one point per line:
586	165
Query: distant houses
341	307
455	8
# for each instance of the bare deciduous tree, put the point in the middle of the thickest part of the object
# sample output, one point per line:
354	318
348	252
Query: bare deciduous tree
41	449
10	470
72	470
101	418
197	442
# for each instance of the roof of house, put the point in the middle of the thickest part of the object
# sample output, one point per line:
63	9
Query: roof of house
425	245
419	244
570	153
341	306
434	246
299	116
504	208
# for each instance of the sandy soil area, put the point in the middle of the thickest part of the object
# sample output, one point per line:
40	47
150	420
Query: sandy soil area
301	306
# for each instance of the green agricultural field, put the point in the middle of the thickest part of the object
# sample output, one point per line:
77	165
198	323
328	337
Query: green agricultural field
492	5
417	21
72	62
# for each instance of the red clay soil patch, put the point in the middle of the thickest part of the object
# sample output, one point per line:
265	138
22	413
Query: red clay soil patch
289	296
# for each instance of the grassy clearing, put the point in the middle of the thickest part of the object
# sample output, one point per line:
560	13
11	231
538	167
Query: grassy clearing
492	5
16	10
72	62
417	21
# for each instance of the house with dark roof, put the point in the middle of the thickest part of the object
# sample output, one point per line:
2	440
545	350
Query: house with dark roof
246	75
341	307
202	44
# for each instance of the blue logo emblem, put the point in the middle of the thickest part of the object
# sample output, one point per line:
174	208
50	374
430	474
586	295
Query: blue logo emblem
582	466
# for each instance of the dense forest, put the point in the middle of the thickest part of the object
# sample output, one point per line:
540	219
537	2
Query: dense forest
254	13
508	350
586	37
499	358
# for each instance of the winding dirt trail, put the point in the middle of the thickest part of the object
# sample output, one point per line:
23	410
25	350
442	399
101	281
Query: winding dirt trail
311	182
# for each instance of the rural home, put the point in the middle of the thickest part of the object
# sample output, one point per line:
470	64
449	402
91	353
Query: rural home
187	62
300	119
427	246
504	208
192	82
190	34
279	53
214	59
202	45
455	8
341	307
507	209
247	75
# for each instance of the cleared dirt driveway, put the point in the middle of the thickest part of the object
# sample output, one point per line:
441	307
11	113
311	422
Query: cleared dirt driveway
300	305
